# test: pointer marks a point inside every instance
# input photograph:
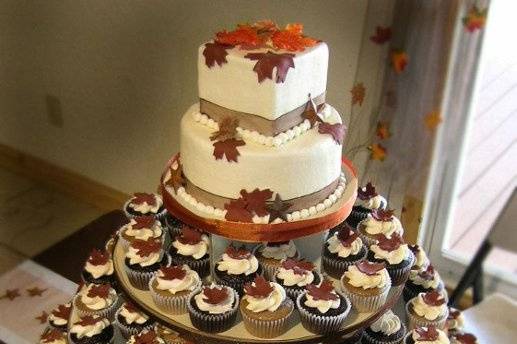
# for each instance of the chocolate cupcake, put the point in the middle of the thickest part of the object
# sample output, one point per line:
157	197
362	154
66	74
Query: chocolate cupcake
340	250
142	204
463	338
174	225
236	267
294	275
96	299
265	308
192	248
143	259
367	200
427	309
388	329
322	310
426	335
213	308
91	330
271	254
422	281
141	228
379	222
455	321
130	320
58	317
53	336
396	254
148	336
98	268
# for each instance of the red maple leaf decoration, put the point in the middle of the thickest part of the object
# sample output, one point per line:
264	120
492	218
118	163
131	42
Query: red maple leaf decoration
336	130
52	335
131	308
453	314
256	200
142	197
466	338
427	334
346	236
227	149
383	215
427	274
189	236
144	222
236	211
237	253
299	267
62	311
215	53
99	290
311	112
389	244
215	295
260	288
323	292
382	35
144	248
266	62
42	318
433	298
146	337
88	320
227	129
369	268
367	192
358	94
173	272
414	248
98	257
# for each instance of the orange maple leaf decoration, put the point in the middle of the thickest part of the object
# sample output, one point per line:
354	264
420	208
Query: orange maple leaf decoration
383	130
432	120
475	19
358	94
292	38
243	34
377	152
399	61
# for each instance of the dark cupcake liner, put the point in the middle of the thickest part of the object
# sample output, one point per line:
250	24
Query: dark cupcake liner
201	266
236	282
335	267
173	225
411	290
107	336
86	277
212	323
399	273
107	312
321	324
369	339
357	215
160	216
140	279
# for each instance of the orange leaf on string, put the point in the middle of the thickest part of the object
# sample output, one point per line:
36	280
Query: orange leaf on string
382	35
475	19
358	94
383	130
377	152
399	61
432	120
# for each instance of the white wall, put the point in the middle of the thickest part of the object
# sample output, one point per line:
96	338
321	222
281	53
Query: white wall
125	71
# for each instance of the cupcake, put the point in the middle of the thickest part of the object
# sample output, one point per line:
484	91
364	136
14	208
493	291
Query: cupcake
427	309
58	317
169	335
340	250
148	336
421	259
426	335
271	254
379	222
367	200
142	261
265	308
98	268
213	308
130	320
142	204
171	287
91	330
343	225
96	299
174	225
53	336
463	338
193	249
142	228
236	267
294	275
455	321
110	243
367	285
322	309
388	329
396	254
422	281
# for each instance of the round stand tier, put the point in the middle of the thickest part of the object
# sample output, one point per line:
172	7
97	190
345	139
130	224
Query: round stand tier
273	232
238	334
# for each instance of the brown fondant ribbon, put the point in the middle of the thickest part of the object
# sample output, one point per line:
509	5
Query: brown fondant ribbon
255	122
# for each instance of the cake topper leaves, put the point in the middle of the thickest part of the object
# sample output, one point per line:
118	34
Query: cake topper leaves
99	290
256	200
323	292
429	333
266	63
173	272
383	215
227	149
144	248
292	38
311	112
142	222
215	53
389	244
299	267
236	211
147	337
278	209
260	288
382	35
62	311
369	268
367	192
98	257
142	197
52	335
346	236
237	253
88	320
466	338
243	35
427	274
177	179
227	129
189	236
336	130
433	298
215	294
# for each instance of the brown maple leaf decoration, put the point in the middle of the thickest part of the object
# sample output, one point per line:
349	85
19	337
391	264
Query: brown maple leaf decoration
173	272
215	294
62	311
144	248
237	253
42	317
346	236
311	112
466	338
215	53
131	308
98	257
35	291
383	215
236	211
51	335
260	288
389	244
227	149
99	290
146	337
278	209
142	222
336	130
88	320
453	314
433	298
227	129
370	268
382	35
267	62
189	236
325	291
11	294
367	192
142	197
427	274
358	93
256	200
429	333
177	179
414	248
299	267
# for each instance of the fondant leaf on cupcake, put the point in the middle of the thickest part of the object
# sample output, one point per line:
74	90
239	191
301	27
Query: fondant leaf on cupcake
336	130
88	320
278	209
237	253
144	248
389	244
142	197
370	268
433	298
227	129
98	257
215	53
466	338
52	335
146	337
414	248
214	294
144	222
267	62
130	307
260	288
429	333
453	314
427	274
173	272
62	311
299	267
367	192
227	149
384	215
346	236
256	200
99	290
189	236
323	292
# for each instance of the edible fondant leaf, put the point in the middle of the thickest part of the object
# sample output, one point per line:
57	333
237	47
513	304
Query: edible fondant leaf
336	130
146	337
369	268
88	320
256	200
427	274
173	272
215	53
278	209
52	335
131	308
383	215
144	222
99	290
466	338
414	248
244	34
98	257
237	253
189	236
311	112
292	38
62	311
346	236
299	267
236	211
177	179
144	248
260	287
323	292
382	35
433	298
227	149
215	294
227	129
453	313
142	197
429	333
389	244
367	192
267	62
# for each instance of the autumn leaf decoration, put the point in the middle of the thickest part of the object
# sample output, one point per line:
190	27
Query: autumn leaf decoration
62	311
142	222
142	197
130	307
189	236
369	268
389	244
336	130
215	53
382	35
366	192
432	120
99	290
358	94
466	338
475	19
267	62
433	298
377	152
215	294
278	209
323	292
429	333
248	205
292	38
226	141
384	215
144	248
98	257
52	335
299	267
147	337
237	253
311	112
346	237
88	320
383	130
260	288
399	61
427	274
177	178
173	272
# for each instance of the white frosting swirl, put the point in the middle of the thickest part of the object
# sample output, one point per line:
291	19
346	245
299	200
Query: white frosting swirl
279	252
359	279
89	331
290	278
269	303
189	282
58	321
421	259
393	257
135	258
388	323
223	307
442	338
322	306
145	208
455	323
238	266
427	284
373	203
335	246
132	317
155	231
195	251
96	302
374	227
98	271
429	312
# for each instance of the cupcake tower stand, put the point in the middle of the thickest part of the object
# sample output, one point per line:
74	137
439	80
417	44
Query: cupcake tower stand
254	233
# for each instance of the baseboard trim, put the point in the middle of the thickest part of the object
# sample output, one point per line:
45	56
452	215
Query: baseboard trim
62	179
